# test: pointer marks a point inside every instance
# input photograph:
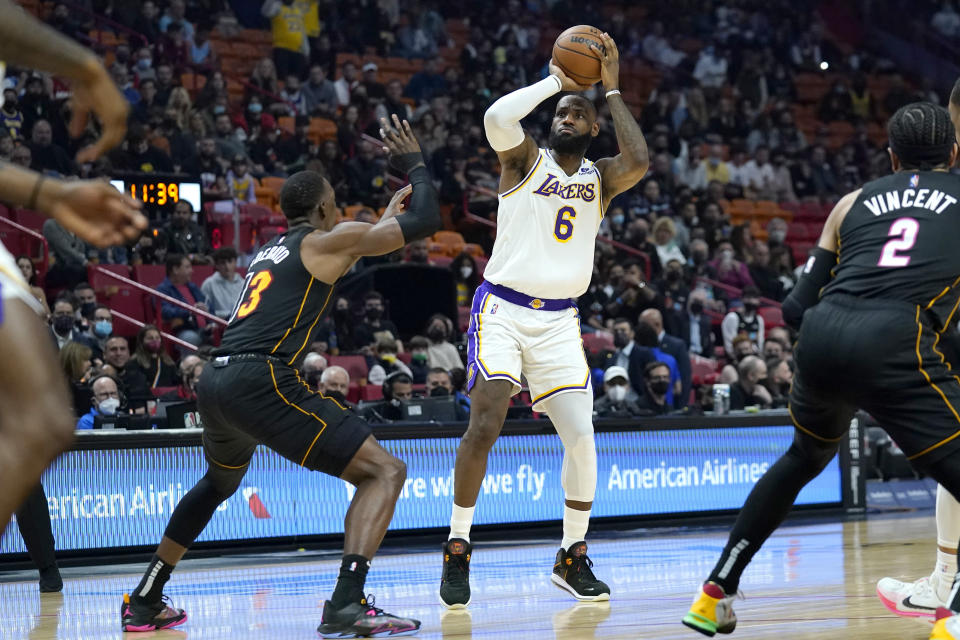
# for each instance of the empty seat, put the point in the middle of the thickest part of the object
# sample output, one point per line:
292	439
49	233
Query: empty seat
597	342
150	275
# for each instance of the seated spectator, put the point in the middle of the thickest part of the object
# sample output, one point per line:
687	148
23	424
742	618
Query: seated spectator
365	333
742	348
295	100
349	80
749	390
64	327
386	361
441	352
312	369
366	175
335	384
419	359
397	389
75	361
690	170
748	322
779	380
133	381
646	336
418	252
393	103
714	167
153	359
695	327
782	183
785	338
439	383
467	277
375	90
773	348
48	156
629	354
184	236
29	272
766	278
70	253
664	238
223	288
320	94
728	269
191	368
619	400
240	181
675	347
776	232
177	285
656	385
106	401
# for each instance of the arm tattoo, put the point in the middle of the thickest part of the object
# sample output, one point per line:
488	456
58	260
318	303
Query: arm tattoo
633	146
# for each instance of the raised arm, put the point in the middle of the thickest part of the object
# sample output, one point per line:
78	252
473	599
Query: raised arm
629	166
351	240
819	268
516	150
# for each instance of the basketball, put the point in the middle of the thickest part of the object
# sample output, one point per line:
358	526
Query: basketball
573	55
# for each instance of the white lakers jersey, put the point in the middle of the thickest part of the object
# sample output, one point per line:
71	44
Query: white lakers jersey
546	231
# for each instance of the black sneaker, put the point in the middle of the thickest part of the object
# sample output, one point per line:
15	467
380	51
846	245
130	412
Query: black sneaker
573	572
50	580
138	616
363	620
455	583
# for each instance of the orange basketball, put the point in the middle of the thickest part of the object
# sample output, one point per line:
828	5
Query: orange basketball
573	55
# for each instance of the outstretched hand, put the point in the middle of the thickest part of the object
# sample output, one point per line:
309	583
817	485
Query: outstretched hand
609	62
399	138
94	210
100	96
566	83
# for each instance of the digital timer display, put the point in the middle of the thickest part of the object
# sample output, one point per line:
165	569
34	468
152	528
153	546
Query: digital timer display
160	193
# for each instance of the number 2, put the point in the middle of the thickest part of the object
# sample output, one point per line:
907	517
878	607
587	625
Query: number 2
903	232
253	289
563	228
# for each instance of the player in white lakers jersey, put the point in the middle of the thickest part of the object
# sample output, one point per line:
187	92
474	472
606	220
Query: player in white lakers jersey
525	320
35	421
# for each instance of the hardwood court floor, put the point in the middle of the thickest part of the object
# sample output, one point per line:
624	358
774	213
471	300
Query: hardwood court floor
813	581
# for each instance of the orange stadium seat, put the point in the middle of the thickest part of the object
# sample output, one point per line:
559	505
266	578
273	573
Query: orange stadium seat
272	182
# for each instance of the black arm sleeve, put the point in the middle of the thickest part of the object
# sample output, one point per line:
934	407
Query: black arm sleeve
422	218
816	274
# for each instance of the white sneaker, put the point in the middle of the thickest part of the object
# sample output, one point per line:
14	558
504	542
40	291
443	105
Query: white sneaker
912	599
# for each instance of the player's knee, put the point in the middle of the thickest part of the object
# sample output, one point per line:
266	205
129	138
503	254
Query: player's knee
482	432
815	454
394	471
224	482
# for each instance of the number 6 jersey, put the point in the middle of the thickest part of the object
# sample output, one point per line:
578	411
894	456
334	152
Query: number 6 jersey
546	231
279	311
899	241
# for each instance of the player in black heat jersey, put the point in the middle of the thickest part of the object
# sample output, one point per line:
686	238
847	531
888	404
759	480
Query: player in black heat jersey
252	393
882	286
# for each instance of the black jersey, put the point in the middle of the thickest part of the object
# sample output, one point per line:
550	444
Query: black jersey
899	241
279	311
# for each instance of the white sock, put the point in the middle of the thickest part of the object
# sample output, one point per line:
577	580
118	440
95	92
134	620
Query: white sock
575	523
946	569
460	522
948	533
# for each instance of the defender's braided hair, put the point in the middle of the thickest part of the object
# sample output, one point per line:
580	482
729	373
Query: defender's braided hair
922	136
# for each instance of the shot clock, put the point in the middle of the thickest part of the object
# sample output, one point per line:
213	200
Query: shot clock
159	194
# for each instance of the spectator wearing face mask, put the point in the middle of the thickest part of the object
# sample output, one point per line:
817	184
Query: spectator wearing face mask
440	384
746	322
764	275
619	400
656	384
728	269
336	333
779	379
467	278
629	355
749	390
106	401
419	359
156	363
64	327
335	384
373	321
385	361
312	369
441	352
675	292
100	328
695	327
646	336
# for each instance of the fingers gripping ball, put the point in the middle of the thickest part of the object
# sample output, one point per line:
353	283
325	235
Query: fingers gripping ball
573	55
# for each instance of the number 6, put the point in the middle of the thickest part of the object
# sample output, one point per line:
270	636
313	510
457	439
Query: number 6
563	229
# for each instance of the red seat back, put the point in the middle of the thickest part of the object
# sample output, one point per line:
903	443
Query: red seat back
150	275
200	273
371	393
772	317
597	342
356	366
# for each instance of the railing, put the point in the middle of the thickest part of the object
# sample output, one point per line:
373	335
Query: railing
45	261
162	296
172	338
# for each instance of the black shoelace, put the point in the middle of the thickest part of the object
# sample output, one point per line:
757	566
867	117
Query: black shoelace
370	601
459	562
583	565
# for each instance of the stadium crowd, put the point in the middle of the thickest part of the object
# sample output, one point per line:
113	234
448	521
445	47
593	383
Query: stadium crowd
679	297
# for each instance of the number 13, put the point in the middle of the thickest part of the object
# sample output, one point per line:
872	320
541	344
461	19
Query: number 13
903	232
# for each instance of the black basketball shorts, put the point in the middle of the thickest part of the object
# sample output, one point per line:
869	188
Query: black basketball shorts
247	402
883	357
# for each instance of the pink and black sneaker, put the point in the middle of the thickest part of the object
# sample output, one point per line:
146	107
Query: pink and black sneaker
137	616
363	620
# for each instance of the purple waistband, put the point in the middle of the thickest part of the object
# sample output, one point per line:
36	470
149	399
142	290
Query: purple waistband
523	300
